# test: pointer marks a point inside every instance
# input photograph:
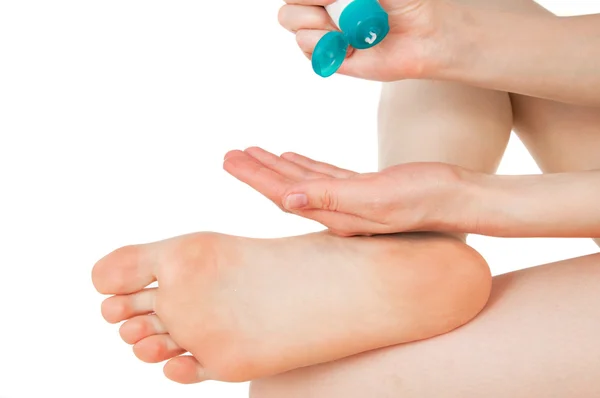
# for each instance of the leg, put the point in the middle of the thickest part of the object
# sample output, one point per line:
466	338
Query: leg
537	337
423	121
249	308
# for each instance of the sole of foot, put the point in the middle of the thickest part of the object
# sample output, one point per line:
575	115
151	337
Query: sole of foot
250	308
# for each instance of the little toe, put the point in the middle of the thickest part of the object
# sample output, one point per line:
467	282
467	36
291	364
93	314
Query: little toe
157	348
119	308
184	369
125	270
140	327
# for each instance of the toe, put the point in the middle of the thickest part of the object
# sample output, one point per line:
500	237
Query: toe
157	348
126	270
118	308
140	327
185	370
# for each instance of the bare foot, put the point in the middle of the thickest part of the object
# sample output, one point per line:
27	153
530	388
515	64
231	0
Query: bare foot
250	308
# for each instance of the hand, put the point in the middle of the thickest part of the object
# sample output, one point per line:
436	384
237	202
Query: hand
418	44
408	197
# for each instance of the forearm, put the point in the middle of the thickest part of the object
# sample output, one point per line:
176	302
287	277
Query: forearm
548	205
550	57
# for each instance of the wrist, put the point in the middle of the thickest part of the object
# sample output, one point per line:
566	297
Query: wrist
451	42
431	28
458	204
469	204
467	38
481	44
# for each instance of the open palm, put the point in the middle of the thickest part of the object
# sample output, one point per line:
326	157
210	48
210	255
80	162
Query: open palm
409	197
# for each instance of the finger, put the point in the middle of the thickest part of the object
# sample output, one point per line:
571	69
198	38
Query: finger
251	172
307	39
316	166
363	197
365	64
321	3
295	18
282	166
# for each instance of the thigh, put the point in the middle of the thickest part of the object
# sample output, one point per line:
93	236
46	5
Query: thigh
536	338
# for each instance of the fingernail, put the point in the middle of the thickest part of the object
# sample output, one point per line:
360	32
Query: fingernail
295	201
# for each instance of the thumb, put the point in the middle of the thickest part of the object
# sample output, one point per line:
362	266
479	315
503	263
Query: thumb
331	194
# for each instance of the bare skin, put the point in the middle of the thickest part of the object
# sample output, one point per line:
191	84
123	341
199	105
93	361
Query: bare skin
249	308
188	369
561	137
424	196
151	338
538	311
525	343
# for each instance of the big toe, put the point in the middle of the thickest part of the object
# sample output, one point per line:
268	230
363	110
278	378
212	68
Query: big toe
119	308
184	369
125	270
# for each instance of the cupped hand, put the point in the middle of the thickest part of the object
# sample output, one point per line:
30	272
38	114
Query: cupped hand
408	197
419	42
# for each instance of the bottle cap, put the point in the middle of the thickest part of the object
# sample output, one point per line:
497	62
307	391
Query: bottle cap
363	24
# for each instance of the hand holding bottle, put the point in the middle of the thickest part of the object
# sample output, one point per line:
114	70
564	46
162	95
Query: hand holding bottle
416	45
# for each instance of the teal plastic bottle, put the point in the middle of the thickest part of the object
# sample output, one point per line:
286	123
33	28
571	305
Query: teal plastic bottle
362	23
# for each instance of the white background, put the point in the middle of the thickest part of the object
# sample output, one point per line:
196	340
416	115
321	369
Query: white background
114	117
